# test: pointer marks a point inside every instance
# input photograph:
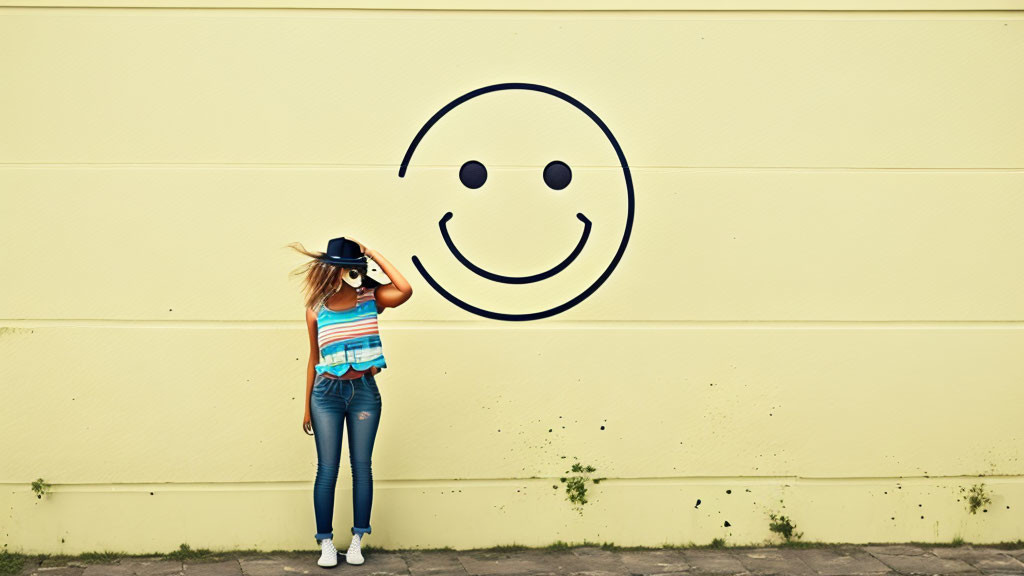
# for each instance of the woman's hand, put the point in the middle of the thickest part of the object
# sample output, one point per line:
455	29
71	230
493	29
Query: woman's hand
361	247
366	251
307	425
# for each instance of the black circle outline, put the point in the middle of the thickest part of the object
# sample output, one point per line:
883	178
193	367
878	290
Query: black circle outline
629	197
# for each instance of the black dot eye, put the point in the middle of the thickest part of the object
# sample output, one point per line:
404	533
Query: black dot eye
473	174
557	174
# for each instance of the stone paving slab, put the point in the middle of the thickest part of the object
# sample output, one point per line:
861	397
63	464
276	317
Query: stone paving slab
126	567
894	549
985	559
222	568
599	562
843	561
278	565
52	571
154	566
63	562
912	561
486	563
432	563
723	562
109	570
382	563
770	561
1018	554
648	562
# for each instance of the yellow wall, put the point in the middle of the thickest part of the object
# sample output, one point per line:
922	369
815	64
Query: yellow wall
818	311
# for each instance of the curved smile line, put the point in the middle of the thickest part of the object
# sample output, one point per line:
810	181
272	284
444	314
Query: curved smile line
515	279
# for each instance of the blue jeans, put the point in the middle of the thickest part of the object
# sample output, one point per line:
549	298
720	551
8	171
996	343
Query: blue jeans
332	402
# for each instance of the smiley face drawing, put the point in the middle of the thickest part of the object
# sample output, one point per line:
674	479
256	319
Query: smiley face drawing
556	175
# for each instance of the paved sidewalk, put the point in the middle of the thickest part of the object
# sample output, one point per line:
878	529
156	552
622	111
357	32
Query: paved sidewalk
842	560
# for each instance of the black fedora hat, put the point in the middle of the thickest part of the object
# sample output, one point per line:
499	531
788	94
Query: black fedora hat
343	252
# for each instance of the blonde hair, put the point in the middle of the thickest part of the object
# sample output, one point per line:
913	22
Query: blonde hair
320	278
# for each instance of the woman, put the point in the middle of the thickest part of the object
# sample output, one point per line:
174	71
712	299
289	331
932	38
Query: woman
345	353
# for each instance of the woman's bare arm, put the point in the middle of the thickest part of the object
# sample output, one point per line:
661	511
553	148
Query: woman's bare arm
398	291
314	359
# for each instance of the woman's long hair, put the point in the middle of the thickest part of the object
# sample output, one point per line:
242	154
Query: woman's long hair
321	278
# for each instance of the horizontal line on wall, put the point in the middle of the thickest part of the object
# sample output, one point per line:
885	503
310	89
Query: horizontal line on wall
445	482
542	8
538	325
394	167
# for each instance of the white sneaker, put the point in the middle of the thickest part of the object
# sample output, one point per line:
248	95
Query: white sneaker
354	554
328	554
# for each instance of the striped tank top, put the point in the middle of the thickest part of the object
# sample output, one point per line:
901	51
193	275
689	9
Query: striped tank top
349	338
